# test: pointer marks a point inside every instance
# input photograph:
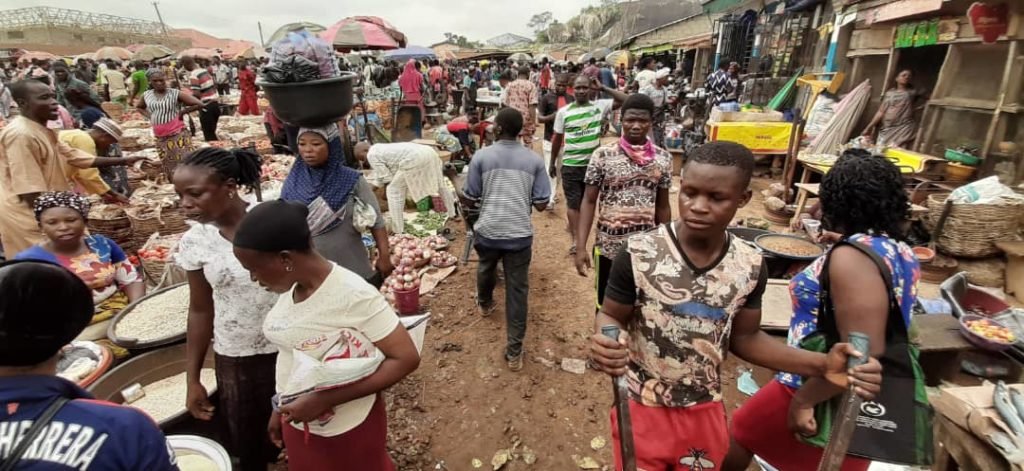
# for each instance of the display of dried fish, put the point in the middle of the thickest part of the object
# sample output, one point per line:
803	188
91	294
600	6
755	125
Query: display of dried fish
1004	405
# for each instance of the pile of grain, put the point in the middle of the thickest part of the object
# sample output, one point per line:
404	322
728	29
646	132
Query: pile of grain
157	317
166	397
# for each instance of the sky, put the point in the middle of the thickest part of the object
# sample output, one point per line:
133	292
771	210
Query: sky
423	21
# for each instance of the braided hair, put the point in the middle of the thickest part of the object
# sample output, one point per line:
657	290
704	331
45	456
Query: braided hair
864	193
241	165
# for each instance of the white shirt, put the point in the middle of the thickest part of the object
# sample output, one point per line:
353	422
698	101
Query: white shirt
387	159
343	301
239	304
646	78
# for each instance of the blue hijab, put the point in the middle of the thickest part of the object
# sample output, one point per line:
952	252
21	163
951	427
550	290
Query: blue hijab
333	181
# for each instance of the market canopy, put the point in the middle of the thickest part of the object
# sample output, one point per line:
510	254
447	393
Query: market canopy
198	52
283	31
251	52
411	52
520	57
363	32
114	53
598	54
618	57
37	55
152	52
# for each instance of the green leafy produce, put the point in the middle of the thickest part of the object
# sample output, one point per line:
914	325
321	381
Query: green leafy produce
426	224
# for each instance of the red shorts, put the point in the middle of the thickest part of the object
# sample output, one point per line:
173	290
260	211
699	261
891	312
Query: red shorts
363	448
675	438
760	425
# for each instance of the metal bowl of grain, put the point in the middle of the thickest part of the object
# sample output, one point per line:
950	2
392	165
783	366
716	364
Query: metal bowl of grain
160	377
159	318
788	246
195	453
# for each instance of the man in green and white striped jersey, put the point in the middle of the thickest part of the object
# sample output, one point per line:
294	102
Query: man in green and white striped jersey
578	127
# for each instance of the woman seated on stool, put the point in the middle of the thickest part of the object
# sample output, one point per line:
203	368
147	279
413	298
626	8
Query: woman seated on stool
97	260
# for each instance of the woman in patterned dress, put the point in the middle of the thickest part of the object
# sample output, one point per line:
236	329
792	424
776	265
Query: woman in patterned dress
863	202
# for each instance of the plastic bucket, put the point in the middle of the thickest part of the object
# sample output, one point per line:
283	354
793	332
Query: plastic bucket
407	302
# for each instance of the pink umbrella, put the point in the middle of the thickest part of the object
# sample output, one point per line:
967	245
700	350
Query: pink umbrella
198	52
363	32
33	55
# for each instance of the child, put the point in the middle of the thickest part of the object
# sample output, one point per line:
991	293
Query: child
697	293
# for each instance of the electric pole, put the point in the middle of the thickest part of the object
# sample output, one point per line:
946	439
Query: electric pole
156	6
263	43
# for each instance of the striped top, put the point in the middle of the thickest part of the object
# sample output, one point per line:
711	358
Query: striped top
162	108
581	125
202	85
507	179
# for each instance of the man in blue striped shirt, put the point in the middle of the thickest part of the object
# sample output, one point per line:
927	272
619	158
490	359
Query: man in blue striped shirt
506	181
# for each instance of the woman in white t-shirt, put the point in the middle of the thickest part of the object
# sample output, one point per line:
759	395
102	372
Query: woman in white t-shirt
343	424
225	305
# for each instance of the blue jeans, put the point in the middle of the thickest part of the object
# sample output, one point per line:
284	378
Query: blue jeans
517	287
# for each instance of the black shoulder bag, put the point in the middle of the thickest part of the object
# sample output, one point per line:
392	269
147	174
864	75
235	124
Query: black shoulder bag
32	433
897	426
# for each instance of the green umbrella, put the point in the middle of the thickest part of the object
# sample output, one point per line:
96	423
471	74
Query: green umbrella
284	30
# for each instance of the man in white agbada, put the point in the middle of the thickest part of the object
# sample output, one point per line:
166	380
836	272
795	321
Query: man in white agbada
410	171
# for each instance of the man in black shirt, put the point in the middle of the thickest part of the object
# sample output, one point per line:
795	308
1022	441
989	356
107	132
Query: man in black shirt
547	108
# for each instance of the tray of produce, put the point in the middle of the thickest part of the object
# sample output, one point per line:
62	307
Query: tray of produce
159	318
788	246
986	333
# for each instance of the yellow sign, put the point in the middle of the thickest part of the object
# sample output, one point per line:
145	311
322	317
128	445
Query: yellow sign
760	138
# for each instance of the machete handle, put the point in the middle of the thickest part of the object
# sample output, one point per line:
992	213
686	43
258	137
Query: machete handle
862	343
611	331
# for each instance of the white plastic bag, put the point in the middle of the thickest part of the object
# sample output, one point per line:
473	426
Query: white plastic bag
330	360
985	191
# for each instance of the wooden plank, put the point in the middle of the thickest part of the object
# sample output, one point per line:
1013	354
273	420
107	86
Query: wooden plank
939	332
949	70
1004	85
890	69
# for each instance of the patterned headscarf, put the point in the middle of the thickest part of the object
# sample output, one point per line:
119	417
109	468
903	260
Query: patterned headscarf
333	181
61	199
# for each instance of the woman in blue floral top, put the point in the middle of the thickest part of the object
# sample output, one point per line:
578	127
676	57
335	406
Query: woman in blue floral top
863	202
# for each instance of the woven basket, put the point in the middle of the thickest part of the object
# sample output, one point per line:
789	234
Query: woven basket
152	269
989	272
115	110
168	221
971	230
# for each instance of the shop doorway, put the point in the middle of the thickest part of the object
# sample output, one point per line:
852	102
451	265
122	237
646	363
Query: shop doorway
925	62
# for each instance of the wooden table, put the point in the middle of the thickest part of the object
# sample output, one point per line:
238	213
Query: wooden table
941	346
804	189
959	449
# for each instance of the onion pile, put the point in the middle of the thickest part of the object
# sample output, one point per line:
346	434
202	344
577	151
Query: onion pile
409	254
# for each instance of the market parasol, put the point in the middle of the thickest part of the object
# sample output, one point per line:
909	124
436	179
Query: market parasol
541	57
281	32
115	53
251	53
87	56
198	52
363	32
411	52
520	57
37	55
618	57
152	52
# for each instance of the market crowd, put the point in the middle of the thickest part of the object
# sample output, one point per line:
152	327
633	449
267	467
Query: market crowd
267	278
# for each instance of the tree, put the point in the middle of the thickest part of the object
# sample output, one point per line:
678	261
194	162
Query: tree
461	41
540	21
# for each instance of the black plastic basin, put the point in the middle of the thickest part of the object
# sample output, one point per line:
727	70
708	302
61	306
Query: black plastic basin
311	104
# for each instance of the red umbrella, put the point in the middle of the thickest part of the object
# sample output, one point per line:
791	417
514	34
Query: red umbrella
363	32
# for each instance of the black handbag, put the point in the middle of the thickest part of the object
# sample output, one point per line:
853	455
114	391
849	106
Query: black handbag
896	426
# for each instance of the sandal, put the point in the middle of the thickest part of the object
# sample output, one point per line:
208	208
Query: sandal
572	250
